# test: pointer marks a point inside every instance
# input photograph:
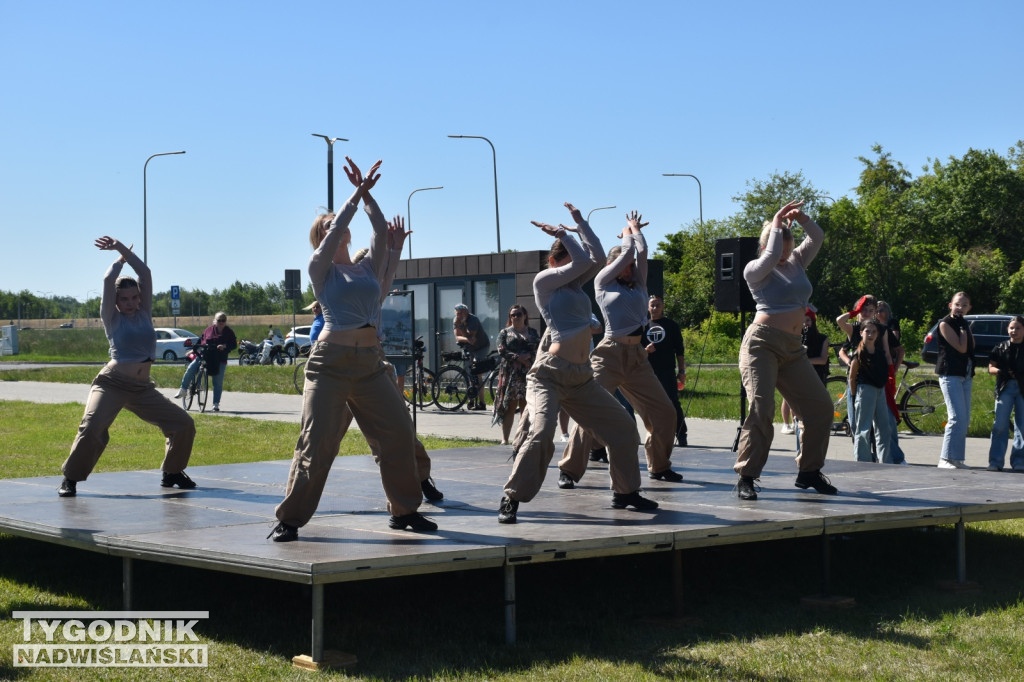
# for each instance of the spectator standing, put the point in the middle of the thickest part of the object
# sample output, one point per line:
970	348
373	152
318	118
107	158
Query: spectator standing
667	355
1006	361
470	335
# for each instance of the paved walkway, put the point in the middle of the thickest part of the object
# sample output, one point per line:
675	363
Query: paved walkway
704	434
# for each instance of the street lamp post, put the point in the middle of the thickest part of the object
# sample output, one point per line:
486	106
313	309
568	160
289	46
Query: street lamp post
408	212
145	232
494	156
330	167
45	295
603	208
700	190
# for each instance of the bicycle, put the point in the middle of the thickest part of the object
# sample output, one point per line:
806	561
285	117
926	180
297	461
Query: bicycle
455	384
419	387
921	405
199	388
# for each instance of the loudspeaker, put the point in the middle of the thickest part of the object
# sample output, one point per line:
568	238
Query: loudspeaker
732	295
292	285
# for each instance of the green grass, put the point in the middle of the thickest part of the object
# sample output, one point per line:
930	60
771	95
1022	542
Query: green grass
582	620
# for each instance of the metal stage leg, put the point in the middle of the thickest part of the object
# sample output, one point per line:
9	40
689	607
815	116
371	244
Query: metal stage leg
677	583
826	565
961	553
127	581
510	604
317	650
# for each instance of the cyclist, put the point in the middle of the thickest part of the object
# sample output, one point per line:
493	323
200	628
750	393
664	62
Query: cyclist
470	335
219	340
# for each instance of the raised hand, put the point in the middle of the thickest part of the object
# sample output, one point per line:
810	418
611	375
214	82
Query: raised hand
397	233
548	229
106	243
355	176
575	213
790	211
633	224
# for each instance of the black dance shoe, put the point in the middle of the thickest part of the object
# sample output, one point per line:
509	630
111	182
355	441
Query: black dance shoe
67	488
746	489
430	491
599	455
666	475
507	510
284	533
180	479
633	499
816	480
565	481
413	520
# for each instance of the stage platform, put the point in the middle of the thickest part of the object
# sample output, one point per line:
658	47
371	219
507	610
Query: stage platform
222	524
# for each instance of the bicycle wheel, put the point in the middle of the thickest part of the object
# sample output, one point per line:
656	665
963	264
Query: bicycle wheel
422	381
924	409
299	376
491	382
190	393
451	388
202	388
837	388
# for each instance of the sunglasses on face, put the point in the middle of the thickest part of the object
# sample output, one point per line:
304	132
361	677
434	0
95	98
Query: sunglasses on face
516	315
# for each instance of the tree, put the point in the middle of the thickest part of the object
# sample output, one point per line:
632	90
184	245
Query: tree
688	258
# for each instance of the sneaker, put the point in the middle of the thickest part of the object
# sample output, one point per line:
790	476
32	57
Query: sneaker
565	481
507	510
180	479
816	480
599	455
788	428
666	475
633	499
413	520
430	491
284	533
952	464
67	488
746	488
216	407
180	393
990	467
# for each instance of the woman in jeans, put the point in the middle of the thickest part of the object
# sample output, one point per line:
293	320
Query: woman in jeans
869	373
1006	361
955	367
772	355
219	340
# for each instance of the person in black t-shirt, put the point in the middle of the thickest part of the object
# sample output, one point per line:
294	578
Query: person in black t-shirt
869	372
1006	361
665	352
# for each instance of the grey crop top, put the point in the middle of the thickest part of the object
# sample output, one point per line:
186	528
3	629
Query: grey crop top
559	293
350	294
624	308
783	287
131	337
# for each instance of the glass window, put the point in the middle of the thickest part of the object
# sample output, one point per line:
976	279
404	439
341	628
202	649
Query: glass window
487	307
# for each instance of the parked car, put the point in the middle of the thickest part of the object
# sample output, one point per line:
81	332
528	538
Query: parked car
68	325
988	331
172	344
296	341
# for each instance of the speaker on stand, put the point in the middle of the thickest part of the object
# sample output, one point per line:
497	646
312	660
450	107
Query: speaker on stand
732	295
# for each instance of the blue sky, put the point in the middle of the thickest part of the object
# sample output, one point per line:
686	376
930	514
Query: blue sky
588	102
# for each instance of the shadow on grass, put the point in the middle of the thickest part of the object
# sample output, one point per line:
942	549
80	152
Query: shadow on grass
575	616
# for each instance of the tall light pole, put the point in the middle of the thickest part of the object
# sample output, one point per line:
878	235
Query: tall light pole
408	212
700	190
330	167
603	208
494	155
45	295
145	232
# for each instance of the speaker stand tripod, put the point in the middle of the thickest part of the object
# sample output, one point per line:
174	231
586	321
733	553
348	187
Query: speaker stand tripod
743	393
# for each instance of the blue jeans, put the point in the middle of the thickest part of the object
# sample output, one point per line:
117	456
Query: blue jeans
217	379
1009	399
894	447
871	408
957	392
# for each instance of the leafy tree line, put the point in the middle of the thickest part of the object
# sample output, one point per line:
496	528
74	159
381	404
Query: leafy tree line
959	226
238	299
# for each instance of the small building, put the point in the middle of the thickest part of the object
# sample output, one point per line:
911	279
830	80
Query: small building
488	283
